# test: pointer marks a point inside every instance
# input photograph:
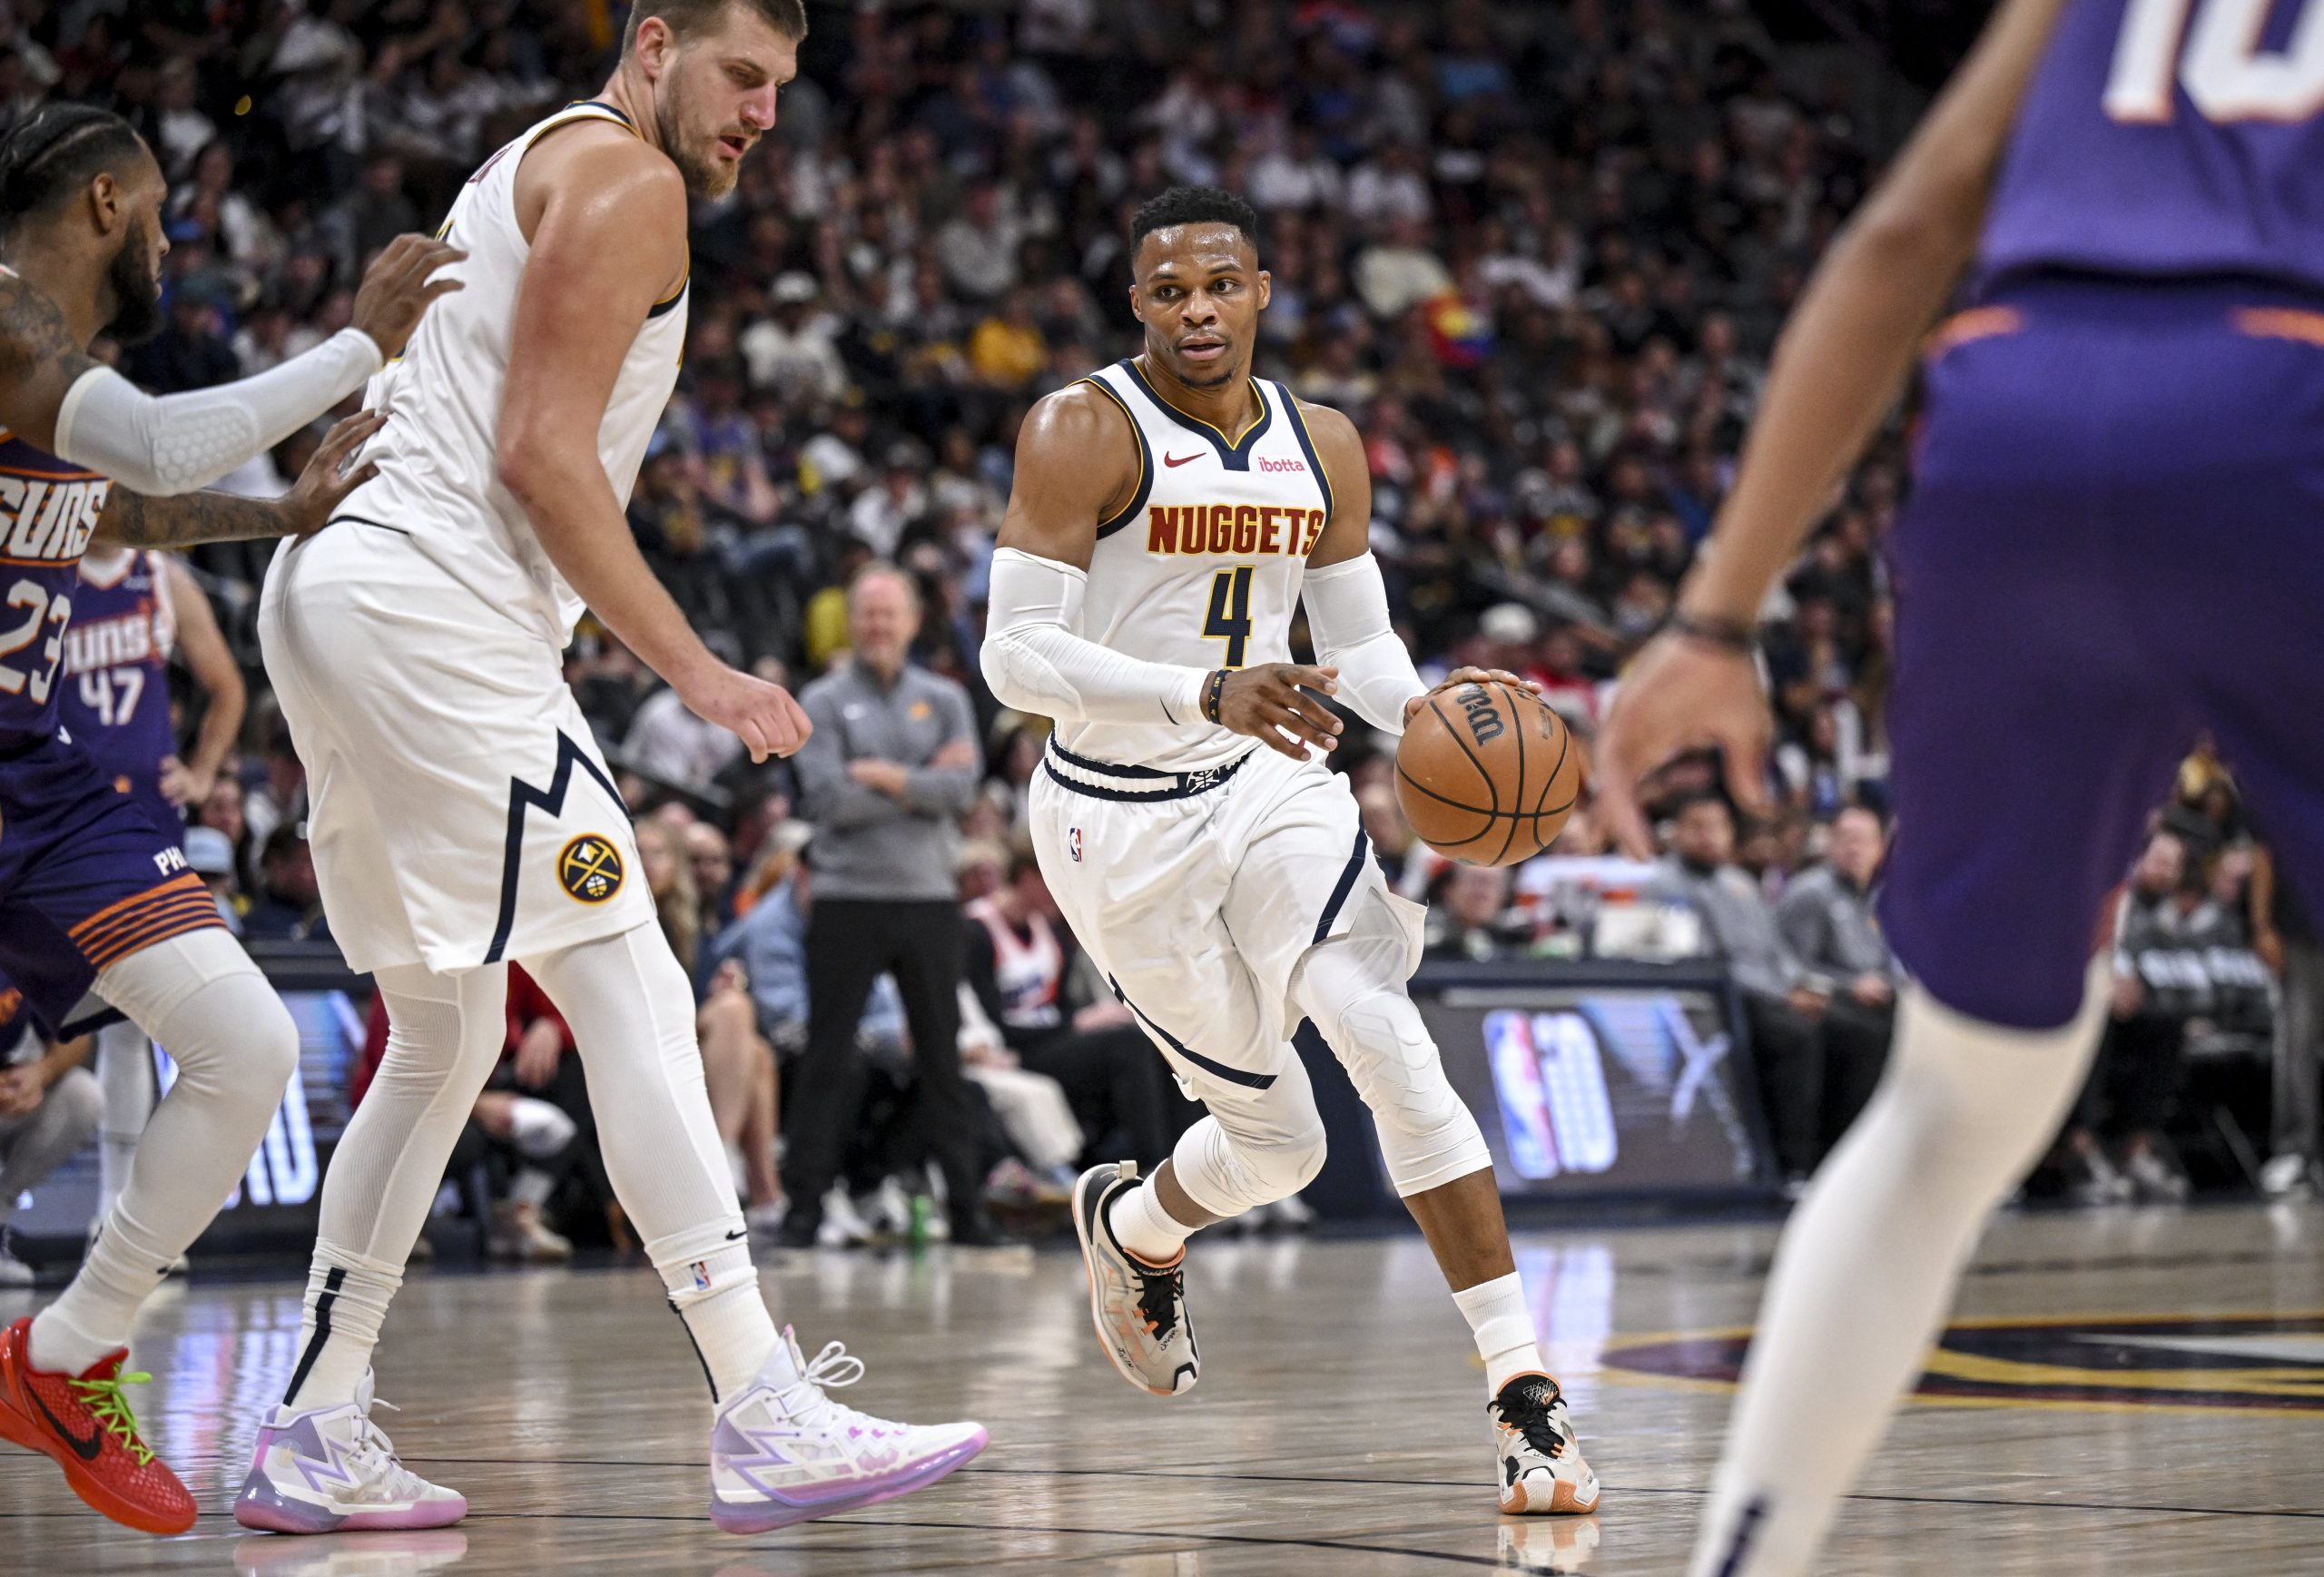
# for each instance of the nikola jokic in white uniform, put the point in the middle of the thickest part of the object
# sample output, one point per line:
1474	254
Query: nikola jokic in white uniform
463	817
1170	514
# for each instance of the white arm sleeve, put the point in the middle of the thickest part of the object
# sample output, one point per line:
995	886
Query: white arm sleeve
174	443
1035	663
1347	614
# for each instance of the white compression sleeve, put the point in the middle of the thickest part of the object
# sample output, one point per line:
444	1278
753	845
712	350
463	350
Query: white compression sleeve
1035	663
174	443
1347	614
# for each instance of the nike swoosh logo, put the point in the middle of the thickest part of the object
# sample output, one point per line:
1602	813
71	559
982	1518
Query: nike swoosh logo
1181	459
86	1449
737	1237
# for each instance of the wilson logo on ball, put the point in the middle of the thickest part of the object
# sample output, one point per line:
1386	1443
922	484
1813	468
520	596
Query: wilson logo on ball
1483	715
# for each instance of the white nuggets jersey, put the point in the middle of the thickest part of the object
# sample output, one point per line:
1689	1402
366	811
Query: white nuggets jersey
1203	566
439	478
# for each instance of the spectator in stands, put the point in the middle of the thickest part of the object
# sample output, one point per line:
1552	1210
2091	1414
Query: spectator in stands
2134	1082
1827	919
711	855
892	759
49	1108
1782	1007
289	906
1470	915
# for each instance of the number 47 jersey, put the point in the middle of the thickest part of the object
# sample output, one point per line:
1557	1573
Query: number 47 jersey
2168	139
1202	567
115	685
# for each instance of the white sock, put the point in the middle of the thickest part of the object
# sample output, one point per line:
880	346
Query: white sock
715	1290
1496	1313
1867	1268
632	1007
347	1299
1142	1226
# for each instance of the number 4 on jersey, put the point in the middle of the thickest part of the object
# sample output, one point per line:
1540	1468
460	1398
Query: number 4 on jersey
1229	619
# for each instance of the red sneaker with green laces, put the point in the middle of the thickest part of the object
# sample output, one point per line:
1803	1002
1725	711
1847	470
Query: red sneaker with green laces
84	1422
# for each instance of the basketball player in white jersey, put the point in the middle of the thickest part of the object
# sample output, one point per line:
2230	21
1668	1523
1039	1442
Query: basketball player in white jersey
1168	513
463	817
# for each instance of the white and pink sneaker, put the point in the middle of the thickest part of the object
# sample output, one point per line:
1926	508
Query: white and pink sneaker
327	1469
783	1452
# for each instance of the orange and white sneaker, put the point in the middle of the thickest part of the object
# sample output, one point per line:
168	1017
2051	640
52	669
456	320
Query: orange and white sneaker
84	1422
1540	1468
1139	1310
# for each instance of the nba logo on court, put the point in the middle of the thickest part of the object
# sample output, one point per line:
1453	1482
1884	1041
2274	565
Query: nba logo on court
1073	842
589	868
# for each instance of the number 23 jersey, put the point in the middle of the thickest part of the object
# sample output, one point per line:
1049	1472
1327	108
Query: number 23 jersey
1202	567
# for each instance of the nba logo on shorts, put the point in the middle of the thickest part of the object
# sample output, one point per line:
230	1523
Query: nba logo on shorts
1073	844
701	1275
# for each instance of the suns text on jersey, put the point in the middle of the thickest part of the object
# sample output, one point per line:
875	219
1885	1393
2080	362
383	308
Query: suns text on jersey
1241	530
94	644
48	521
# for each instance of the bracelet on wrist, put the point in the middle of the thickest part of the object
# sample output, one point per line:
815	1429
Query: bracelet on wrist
1211	693
1731	635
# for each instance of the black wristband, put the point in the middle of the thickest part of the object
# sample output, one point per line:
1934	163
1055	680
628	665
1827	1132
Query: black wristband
1730	634
1211	693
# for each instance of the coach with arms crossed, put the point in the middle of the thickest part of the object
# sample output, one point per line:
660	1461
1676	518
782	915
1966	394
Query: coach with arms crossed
891	761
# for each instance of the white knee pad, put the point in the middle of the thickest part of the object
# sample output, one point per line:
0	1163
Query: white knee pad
1353	987
1227	1174
1256	1146
201	996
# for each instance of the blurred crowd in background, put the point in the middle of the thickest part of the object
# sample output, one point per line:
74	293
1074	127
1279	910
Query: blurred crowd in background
1538	252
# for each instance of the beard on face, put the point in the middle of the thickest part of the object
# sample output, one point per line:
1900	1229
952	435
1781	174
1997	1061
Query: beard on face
136	293
704	176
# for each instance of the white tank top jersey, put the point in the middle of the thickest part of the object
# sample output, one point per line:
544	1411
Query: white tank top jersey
1203	566
439	478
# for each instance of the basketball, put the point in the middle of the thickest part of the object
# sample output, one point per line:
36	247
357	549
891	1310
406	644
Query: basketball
1487	773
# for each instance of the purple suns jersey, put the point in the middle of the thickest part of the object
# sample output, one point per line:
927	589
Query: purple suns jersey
114	687
48	508
2169	138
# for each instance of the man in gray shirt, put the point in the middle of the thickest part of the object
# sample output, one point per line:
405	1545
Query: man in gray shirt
892	761
1826	921
1783	1008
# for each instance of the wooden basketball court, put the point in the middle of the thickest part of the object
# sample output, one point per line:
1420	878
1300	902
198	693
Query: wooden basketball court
2127	1393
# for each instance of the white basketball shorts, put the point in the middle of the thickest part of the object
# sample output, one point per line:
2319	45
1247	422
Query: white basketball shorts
459	812
1197	894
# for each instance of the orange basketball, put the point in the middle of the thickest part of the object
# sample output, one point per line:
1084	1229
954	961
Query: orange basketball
1487	773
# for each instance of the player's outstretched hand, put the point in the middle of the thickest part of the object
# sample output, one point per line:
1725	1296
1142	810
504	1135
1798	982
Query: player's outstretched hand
1269	702
1472	676
764	716
324	484
1680	694
398	287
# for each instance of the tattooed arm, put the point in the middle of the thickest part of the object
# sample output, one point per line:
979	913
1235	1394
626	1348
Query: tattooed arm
38	362
134	520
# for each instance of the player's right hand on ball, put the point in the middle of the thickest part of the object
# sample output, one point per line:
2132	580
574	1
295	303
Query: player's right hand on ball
764	716
1269	702
398	287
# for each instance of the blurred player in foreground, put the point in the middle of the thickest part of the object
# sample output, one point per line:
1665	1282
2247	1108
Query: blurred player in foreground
2111	549
463	817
